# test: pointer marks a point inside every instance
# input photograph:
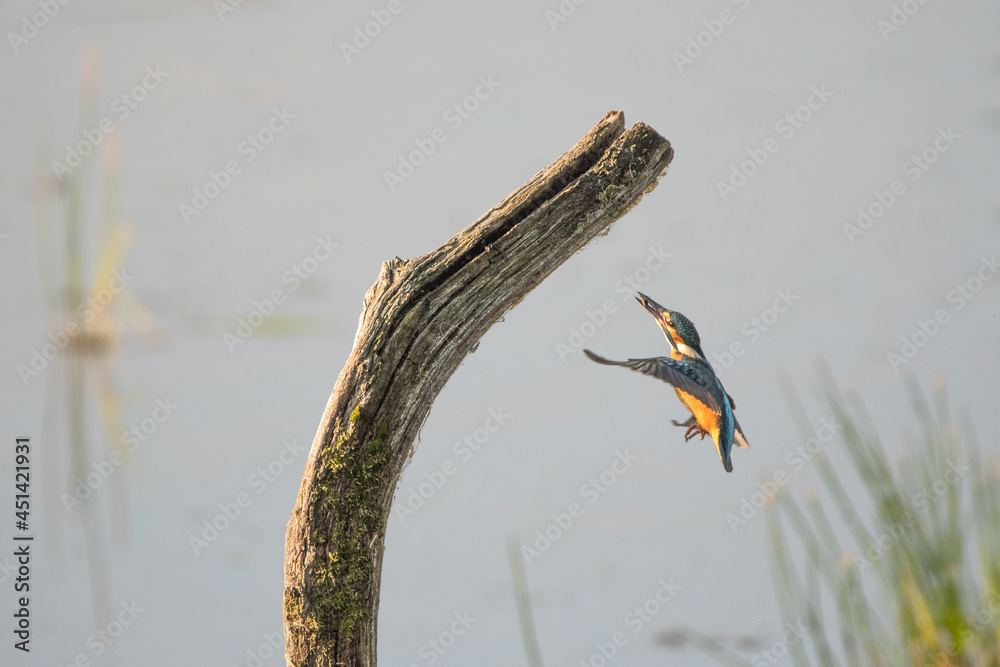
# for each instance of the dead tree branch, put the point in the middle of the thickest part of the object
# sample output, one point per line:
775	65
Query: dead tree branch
419	320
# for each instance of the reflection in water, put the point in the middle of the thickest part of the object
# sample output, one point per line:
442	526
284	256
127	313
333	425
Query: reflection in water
83	323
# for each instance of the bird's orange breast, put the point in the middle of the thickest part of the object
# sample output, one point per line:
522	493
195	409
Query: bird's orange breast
707	419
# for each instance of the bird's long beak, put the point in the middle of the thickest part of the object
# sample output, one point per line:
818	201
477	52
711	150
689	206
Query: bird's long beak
655	309
660	313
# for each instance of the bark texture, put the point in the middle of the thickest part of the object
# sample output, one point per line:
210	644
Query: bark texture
418	321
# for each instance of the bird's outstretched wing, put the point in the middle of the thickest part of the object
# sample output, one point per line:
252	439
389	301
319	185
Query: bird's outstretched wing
738	437
687	376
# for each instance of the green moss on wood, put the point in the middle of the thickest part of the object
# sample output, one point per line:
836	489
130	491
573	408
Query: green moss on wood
604	199
349	521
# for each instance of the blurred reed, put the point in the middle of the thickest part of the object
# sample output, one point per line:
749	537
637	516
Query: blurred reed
915	581
84	316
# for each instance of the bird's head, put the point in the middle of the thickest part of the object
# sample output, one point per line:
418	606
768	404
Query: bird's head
678	329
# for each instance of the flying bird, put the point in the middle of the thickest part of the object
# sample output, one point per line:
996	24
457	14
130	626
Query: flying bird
685	342
693	379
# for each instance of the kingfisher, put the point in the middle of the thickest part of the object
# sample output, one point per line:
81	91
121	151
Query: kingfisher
693	378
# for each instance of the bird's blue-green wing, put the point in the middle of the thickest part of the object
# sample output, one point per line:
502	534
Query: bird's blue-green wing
689	377
738	437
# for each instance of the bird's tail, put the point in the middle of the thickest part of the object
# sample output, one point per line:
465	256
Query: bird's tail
724	439
601	360
724	453
727	462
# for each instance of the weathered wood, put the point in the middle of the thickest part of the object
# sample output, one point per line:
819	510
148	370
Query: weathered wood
419	320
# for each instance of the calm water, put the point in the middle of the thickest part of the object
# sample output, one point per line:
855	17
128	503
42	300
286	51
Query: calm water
784	123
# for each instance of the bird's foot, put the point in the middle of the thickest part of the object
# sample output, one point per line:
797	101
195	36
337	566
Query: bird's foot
695	429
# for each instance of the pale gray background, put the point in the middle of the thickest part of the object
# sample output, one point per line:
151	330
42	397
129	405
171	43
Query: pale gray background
665	517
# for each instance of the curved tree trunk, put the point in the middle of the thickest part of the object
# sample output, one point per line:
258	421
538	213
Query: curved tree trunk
419	320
